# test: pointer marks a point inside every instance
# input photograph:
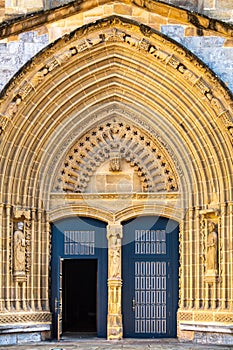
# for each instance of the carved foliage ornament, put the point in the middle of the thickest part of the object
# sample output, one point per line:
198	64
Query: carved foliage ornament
115	141
140	42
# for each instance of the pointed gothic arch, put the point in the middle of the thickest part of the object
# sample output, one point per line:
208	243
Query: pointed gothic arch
116	69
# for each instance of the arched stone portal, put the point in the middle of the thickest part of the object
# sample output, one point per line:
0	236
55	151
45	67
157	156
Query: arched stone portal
112	122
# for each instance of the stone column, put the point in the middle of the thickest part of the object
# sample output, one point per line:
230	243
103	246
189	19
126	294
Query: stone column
114	327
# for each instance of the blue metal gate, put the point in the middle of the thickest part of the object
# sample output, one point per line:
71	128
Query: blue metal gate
79	238
150	277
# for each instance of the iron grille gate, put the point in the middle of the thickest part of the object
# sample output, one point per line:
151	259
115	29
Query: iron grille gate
150	277
150	297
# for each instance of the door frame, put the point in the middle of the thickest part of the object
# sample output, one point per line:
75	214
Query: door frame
58	255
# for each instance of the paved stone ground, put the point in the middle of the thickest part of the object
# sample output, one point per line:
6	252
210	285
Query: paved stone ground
127	344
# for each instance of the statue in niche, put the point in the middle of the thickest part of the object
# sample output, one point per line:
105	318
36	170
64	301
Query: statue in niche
19	252
212	248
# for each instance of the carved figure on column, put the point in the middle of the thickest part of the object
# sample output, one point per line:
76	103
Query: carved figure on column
115	253
212	248
114	328
19	258
115	263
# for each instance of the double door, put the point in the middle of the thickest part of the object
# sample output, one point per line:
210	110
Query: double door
149	271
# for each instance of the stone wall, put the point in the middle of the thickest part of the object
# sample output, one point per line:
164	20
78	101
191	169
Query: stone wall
17	51
216	52
221	9
19	7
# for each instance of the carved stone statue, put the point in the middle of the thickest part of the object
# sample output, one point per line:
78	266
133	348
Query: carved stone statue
212	240
19	258
115	263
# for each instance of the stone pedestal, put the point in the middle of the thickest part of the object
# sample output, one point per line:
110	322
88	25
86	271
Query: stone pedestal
115	330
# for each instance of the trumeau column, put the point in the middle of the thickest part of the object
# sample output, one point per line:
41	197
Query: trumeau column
114	327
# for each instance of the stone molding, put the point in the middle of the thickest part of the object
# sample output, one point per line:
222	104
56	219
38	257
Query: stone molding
25	317
185	316
206	327
142	38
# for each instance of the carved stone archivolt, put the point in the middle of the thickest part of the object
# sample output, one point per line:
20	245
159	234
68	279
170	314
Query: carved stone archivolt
115	30
115	142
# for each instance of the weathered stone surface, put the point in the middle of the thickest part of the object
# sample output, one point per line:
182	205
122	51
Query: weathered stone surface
8	339
178	167
221	9
14	54
211	50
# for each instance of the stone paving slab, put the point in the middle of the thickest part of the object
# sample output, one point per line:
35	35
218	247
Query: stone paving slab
126	344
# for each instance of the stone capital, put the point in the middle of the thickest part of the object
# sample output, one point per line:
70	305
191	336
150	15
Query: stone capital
114	230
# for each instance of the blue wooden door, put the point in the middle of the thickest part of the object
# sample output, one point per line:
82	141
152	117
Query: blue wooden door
84	239
150	277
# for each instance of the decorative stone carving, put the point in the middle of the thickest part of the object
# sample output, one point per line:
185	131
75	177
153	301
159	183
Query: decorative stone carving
28	240
114	235
25	317
21	212
114	35
212	249
19	255
210	255
114	29
115	162
115	141
3	122
114	239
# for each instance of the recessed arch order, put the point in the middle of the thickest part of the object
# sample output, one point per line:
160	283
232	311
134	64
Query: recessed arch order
115	67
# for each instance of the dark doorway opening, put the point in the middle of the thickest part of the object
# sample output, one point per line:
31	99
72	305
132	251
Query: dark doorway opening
79	295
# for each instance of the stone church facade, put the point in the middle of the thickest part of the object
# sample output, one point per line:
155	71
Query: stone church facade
116	132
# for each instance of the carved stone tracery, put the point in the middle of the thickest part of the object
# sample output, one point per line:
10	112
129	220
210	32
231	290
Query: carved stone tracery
114	141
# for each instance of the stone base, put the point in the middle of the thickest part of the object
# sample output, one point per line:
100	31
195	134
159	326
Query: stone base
11	334
115	331
206	332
